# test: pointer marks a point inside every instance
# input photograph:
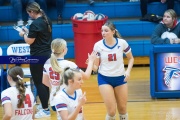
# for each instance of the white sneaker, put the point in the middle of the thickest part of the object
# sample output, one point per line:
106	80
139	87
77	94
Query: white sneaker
20	23
43	113
39	107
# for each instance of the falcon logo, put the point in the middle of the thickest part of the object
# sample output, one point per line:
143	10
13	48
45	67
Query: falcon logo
170	72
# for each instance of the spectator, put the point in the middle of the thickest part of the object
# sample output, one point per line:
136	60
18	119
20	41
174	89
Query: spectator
59	6
18	6
143	5
39	37
168	30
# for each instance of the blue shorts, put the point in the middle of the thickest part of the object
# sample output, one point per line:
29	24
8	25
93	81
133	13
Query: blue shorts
113	81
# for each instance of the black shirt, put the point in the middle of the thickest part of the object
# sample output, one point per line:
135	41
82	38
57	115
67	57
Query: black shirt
39	30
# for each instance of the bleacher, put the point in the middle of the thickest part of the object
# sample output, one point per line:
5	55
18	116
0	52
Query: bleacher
125	15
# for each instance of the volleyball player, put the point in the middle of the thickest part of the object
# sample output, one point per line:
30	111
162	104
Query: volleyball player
55	65
69	102
17	101
112	76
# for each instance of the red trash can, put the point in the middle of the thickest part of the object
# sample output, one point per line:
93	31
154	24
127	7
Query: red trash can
86	34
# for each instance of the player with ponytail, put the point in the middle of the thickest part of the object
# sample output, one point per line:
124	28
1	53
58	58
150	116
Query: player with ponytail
17	101
39	37
55	65
112	76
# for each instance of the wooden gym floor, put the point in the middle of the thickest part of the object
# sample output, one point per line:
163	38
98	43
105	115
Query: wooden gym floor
140	104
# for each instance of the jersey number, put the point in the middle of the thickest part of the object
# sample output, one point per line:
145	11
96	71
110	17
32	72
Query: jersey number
26	101
53	75
112	57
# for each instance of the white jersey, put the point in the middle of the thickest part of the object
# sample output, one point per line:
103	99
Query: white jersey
11	95
65	102
111	58
55	77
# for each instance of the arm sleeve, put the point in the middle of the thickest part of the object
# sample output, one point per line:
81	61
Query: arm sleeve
33	31
5	98
97	50
95	47
156	36
126	47
73	65
60	103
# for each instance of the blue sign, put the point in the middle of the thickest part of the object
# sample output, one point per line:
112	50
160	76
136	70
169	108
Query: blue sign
168	77
165	71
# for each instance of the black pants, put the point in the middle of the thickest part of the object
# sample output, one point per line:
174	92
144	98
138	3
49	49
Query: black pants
42	90
143	5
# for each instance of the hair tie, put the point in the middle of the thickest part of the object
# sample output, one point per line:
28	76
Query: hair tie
116	30
19	77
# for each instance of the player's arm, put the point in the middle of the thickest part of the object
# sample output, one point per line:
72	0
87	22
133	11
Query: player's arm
25	36
7	111
90	62
96	64
64	113
46	80
65	116
74	114
130	65
79	107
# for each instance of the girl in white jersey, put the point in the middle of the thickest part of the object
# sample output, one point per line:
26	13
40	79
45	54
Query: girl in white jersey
55	65
112	76
70	100
17	100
